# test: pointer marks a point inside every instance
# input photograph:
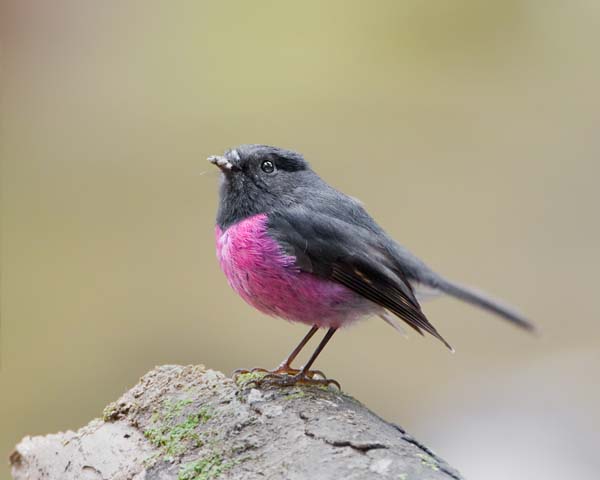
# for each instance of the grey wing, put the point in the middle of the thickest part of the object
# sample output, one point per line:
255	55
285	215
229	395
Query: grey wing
355	255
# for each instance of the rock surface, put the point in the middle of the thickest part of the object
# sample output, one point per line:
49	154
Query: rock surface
191	423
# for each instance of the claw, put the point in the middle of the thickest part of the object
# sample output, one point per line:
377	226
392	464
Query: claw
243	371
281	370
285	376
285	380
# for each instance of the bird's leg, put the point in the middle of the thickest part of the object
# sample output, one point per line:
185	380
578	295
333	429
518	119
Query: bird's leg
305	375
285	367
306	368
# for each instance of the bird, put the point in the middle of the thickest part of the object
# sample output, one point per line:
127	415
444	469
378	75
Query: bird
294	247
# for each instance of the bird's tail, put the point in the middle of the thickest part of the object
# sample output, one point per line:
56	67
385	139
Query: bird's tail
482	300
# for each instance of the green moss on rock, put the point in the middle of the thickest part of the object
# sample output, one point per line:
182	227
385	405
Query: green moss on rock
207	468
173	434
295	395
110	412
428	461
244	379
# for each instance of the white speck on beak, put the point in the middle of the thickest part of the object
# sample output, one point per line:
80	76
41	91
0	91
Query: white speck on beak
220	162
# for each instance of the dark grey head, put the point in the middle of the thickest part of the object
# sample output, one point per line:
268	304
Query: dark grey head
259	178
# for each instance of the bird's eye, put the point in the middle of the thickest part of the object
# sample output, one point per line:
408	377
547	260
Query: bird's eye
267	166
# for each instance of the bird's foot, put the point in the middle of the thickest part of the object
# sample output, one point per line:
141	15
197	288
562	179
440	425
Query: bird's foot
283	376
310	377
282	369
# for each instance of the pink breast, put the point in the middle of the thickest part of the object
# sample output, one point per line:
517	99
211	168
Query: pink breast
268	279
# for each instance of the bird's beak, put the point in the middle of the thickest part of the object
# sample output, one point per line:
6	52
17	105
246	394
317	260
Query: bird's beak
221	162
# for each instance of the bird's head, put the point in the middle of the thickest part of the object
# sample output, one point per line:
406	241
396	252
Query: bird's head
258	178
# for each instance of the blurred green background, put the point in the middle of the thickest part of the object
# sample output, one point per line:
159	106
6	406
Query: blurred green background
469	129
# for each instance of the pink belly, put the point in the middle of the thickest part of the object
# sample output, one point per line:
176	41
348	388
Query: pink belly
268	279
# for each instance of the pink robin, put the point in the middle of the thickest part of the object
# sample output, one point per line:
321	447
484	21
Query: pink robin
294	247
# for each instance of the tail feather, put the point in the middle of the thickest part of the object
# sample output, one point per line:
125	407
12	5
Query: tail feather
480	299
391	319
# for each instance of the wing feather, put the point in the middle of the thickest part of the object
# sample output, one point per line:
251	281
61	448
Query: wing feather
353	256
